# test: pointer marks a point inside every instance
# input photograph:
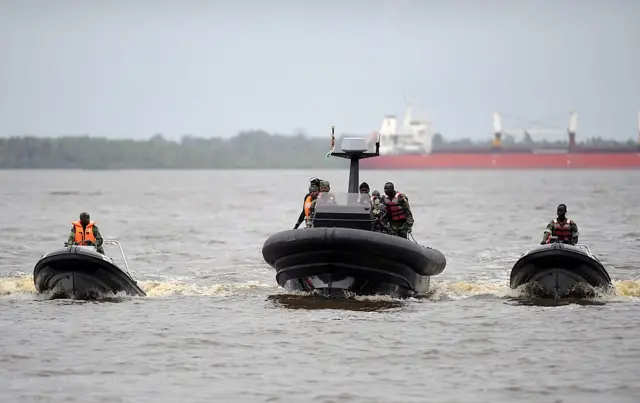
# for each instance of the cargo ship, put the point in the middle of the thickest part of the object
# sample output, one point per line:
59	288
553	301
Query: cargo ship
414	147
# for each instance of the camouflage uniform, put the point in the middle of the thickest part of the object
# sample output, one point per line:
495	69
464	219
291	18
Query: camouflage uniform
403	227
95	230
313	189
549	231
380	215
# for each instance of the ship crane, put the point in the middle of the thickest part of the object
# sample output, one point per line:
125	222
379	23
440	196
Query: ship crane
638	141
547	133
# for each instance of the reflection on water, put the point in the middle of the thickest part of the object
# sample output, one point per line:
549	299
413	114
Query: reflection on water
315	301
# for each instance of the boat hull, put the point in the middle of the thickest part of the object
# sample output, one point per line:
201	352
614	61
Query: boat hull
505	160
559	270
77	272
334	261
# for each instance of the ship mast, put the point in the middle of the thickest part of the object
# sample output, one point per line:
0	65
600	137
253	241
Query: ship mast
573	127
497	131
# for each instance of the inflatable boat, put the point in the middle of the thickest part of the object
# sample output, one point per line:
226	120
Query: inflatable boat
80	272
560	270
342	253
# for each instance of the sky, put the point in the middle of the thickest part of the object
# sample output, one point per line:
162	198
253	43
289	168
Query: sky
131	69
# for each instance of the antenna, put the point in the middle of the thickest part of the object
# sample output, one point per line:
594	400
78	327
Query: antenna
333	138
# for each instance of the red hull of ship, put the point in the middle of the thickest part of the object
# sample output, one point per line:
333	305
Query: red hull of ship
505	161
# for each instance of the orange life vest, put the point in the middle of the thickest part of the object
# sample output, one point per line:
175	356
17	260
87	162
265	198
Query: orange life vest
562	230
394	209
84	234
307	206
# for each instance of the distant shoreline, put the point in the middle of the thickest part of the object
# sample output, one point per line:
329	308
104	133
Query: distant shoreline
247	151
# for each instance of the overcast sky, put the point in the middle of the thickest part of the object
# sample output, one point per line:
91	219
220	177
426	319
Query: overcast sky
132	68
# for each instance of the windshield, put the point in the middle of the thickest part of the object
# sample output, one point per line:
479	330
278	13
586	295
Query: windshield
344	198
347	210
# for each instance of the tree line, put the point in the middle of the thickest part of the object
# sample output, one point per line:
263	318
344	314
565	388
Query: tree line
254	149
251	149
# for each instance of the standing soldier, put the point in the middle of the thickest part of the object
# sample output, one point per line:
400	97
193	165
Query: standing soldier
399	213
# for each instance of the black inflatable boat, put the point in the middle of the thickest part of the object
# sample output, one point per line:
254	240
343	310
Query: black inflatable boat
80	272
342	253
560	270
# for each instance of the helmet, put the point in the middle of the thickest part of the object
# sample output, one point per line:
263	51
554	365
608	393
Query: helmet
324	184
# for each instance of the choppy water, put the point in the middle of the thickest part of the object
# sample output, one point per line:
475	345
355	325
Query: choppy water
216	327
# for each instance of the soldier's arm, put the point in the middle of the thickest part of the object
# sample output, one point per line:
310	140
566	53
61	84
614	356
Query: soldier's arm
407	208
574	232
383	212
72	236
312	212
96	233
547	232
301	216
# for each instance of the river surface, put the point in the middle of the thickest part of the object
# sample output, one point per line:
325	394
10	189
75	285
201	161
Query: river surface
216	327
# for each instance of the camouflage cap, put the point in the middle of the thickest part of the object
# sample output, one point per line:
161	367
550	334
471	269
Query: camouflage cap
324	183
84	215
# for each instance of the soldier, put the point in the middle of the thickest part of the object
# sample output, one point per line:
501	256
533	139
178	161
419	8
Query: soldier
379	214
325	195
399	213
86	232
313	194
363	197
301	217
563	228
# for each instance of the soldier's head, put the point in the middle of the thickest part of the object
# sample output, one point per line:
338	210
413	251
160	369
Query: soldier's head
389	190
84	219
364	188
313	190
325	186
562	210
315	181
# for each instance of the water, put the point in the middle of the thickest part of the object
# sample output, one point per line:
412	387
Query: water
216	327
